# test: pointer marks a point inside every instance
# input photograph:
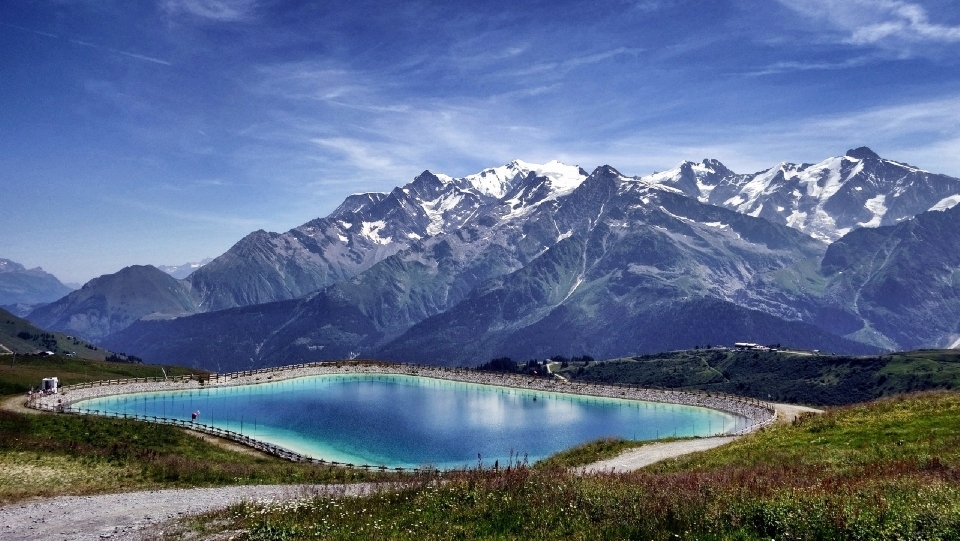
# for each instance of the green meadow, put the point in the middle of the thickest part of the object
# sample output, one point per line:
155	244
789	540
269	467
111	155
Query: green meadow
882	469
888	469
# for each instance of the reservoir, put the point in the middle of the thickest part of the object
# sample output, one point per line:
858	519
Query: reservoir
397	420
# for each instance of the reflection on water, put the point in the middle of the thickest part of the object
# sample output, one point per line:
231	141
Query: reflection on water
408	421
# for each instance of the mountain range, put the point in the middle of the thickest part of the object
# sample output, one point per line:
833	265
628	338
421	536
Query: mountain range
532	260
22	289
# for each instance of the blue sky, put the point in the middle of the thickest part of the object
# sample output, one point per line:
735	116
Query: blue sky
164	131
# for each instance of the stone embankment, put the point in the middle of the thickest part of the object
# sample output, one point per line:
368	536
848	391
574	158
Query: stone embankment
757	413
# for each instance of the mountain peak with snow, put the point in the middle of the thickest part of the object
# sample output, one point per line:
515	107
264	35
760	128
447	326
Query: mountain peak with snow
863	153
498	181
831	198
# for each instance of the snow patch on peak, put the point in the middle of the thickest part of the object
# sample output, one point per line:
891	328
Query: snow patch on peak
668	176
796	219
371	231
947	203
876	205
445	179
823	179
436	210
563	178
497	181
718	225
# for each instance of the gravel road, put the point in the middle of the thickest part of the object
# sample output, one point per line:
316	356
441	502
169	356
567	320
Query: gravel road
129	515
634	459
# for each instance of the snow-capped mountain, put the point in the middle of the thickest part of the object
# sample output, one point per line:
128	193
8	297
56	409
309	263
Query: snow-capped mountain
522	258
367	228
825	200
541	267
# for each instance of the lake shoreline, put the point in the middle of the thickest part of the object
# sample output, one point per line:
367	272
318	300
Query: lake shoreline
757	413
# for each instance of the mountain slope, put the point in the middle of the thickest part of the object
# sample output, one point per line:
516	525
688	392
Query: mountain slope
652	270
19	285
902	281
358	314
507	256
114	301
17	335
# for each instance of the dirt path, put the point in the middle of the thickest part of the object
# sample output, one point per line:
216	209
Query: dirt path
634	459
17	403
786	413
130	515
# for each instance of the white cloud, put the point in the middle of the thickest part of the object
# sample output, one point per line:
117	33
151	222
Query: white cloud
216	10
560	68
889	23
792	66
924	134
650	6
908	22
932	116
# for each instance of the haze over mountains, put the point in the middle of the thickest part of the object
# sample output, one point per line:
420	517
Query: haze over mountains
851	254
22	289
182	271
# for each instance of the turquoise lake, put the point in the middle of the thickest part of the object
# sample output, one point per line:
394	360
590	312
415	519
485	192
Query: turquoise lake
409	421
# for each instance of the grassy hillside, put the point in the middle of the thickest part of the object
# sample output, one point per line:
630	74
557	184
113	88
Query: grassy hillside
883	470
48	454
783	376
18	335
19	375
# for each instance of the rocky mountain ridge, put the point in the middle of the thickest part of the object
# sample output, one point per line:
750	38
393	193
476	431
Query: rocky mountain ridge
826	200
612	250
503	260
